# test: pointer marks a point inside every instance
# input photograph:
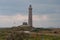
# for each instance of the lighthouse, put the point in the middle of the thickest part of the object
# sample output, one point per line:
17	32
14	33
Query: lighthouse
30	16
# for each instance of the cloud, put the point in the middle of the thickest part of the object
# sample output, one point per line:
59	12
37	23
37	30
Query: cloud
49	20
15	19
11	7
46	1
46	9
45	12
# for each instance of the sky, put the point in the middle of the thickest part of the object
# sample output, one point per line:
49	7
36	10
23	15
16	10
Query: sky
46	13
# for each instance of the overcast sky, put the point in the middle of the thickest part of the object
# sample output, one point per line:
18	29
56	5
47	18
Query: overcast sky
46	13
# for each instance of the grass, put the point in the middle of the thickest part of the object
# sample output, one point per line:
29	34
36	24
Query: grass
48	37
4	33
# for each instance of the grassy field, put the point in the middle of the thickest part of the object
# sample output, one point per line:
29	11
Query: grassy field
4	33
45	37
42	37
